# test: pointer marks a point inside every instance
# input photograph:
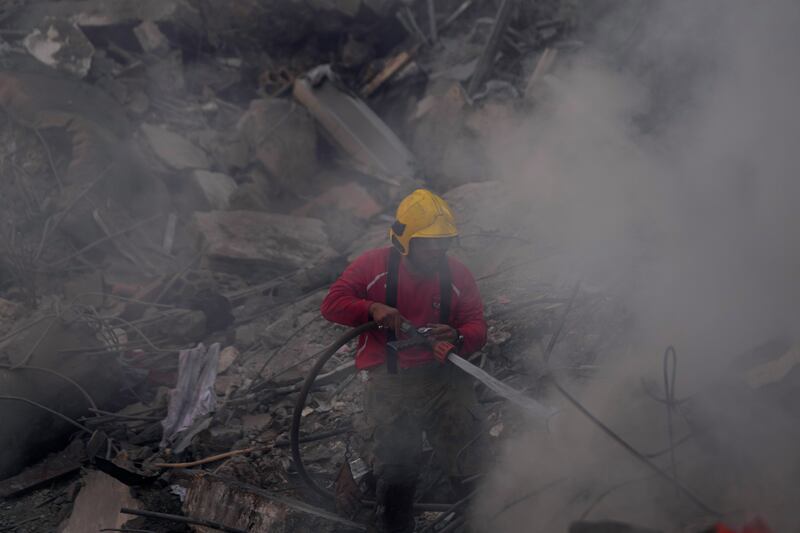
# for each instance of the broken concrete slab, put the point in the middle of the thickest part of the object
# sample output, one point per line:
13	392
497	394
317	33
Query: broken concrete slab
226	358
150	37
216	188
346	7
256	423
173	149
238	504
267	241
283	137
355	127
61	45
349	197
98	505
127	13
51	468
8	309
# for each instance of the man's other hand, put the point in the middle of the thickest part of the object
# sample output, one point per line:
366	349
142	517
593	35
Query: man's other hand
387	317
443	332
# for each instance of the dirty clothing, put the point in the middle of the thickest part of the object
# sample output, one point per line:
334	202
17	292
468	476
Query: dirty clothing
422	395
418	300
439	400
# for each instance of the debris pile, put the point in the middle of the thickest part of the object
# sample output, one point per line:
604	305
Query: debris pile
181	180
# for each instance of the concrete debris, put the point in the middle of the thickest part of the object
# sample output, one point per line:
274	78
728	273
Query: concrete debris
349	197
226	358
543	66
216	188
199	186
61	45
123	13
174	150
487	59
150	37
98	505
51	468
355	127
8	310
773	371
282	136
272	242
242	505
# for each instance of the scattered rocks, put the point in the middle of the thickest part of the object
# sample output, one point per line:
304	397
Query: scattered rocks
226	358
350	198
173	149
61	45
150	37
282	136
216	189
98	504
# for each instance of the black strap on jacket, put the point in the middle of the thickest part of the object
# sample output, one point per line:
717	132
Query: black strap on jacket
391	300
392	276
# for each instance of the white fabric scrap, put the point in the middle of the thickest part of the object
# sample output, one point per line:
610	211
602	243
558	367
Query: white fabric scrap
193	397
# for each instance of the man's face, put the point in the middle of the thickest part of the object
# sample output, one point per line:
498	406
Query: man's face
426	255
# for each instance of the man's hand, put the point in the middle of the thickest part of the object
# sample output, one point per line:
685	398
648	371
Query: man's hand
387	317
443	332
441	350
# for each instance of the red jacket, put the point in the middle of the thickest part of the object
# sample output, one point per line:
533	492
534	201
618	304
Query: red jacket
364	282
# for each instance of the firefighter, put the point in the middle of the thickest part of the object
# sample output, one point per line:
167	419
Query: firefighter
410	392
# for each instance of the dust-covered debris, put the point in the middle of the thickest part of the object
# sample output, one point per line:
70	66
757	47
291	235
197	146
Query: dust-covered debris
180	174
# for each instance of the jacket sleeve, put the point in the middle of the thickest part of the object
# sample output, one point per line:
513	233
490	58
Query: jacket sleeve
468	316
346	301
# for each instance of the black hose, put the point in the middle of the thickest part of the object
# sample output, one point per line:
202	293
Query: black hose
297	416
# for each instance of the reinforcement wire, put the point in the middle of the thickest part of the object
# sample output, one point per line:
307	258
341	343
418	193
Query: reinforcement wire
669	394
69	380
51	411
608	431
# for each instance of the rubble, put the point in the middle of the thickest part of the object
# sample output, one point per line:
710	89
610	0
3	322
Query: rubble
271	242
282	137
350	198
52	468
216	189
239	505
199	189
62	46
46	344
124	13
150	37
98	505
355	127
174	150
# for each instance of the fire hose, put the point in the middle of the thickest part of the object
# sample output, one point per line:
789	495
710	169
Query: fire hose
297	415
414	338
493	383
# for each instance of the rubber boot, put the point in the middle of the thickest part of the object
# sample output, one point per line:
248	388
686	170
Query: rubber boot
394	507
462	488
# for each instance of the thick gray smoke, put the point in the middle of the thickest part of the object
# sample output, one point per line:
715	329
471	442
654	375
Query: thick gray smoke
663	162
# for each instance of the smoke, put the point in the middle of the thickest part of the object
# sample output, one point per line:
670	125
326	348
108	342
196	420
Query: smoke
661	162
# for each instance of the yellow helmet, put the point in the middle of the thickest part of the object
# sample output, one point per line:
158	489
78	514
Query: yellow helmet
421	214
